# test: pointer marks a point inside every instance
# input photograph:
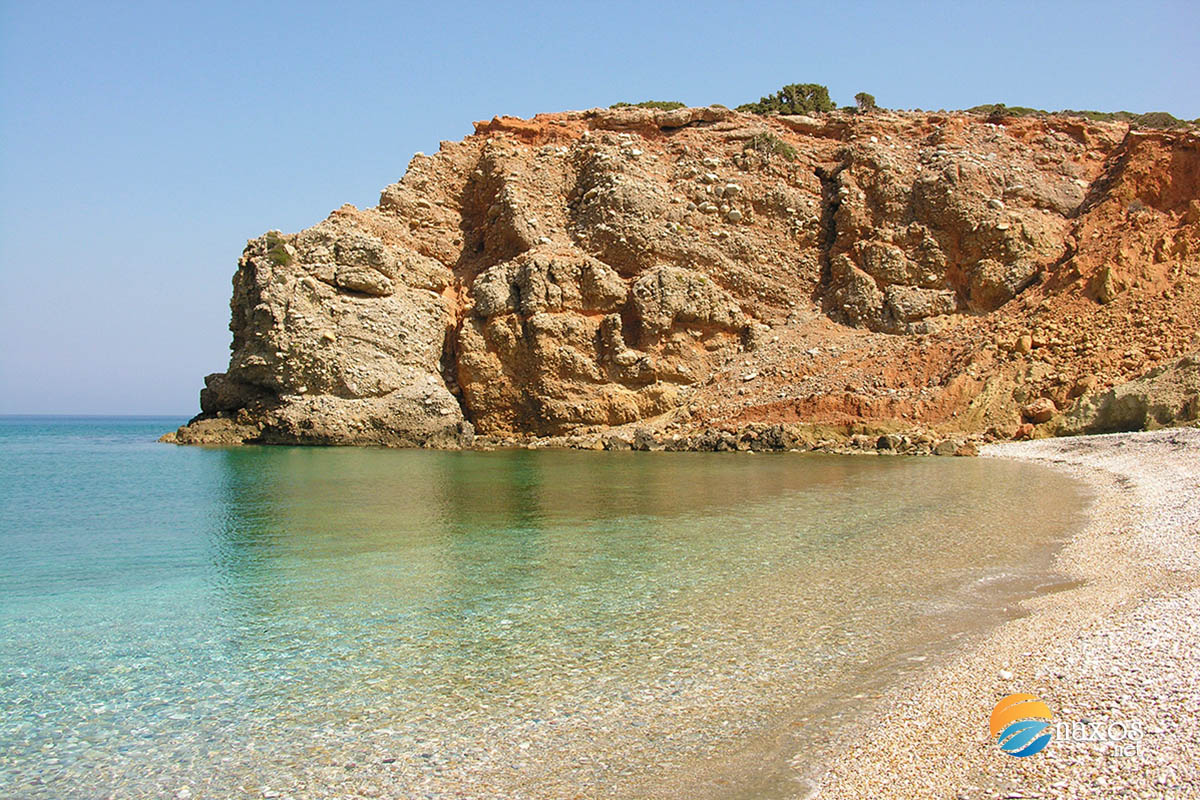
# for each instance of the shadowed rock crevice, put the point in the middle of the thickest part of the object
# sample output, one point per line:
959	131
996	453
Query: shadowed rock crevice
1100	188
830	203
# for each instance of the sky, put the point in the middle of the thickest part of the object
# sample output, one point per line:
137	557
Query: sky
141	145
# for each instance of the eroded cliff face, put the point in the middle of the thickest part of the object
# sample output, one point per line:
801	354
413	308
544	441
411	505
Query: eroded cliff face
700	270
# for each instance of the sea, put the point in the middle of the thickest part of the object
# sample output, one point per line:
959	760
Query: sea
301	622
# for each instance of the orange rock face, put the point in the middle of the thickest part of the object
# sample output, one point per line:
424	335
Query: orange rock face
701	268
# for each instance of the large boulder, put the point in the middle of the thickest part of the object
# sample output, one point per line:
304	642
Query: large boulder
544	281
667	296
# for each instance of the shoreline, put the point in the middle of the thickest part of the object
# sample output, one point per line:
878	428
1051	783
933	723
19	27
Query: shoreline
1121	646
652	436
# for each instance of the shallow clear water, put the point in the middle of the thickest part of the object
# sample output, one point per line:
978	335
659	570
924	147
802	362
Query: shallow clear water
344	622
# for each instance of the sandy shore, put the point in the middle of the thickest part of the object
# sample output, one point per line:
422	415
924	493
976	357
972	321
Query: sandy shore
1123	646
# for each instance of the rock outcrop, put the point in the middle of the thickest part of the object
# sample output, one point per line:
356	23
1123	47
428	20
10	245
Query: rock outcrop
1167	396
338	338
697	271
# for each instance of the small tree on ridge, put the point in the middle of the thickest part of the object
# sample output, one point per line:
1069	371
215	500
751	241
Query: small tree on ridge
795	98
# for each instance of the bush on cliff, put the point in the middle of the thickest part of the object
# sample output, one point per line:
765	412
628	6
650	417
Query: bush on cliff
1156	119
864	102
999	110
661	105
276	251
768	145
795	98
1151	119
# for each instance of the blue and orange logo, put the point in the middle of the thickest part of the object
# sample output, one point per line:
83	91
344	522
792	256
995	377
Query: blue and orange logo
1021	725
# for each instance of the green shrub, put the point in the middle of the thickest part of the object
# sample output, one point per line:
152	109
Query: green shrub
1157	119
795	98
277	251
1095	116
865	102
1152	119
661	105
768	145
1000	110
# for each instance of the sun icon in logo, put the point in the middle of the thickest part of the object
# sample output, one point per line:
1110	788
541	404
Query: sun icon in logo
1020	724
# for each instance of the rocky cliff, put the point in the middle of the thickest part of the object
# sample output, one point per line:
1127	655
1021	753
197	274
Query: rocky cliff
706	278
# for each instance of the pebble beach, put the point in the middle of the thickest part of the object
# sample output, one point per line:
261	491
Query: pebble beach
1116	656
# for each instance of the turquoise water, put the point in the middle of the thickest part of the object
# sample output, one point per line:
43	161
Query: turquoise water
295	622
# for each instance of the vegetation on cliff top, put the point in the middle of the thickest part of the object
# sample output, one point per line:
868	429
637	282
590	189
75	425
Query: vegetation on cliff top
1151	119
865	102
795	98
661	105
811	98
277	250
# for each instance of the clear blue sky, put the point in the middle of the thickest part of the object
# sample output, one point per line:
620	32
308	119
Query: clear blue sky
142	144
